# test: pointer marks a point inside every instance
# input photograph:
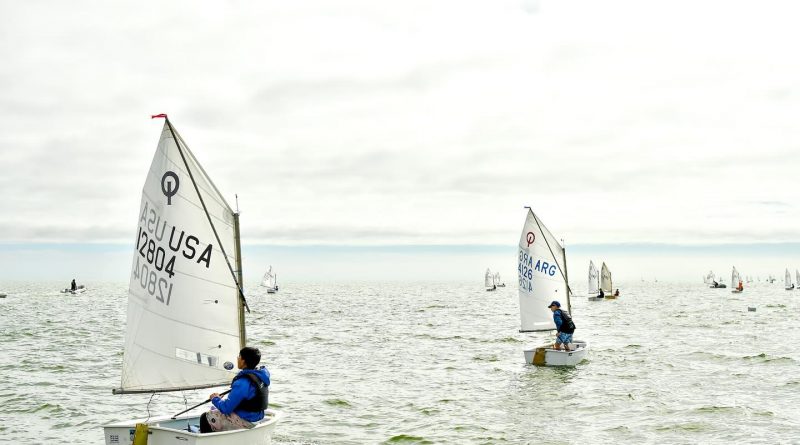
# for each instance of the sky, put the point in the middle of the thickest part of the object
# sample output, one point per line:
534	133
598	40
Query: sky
400	140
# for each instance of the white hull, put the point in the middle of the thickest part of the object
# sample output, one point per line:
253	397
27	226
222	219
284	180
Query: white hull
545	355
595	298
272	290
165	431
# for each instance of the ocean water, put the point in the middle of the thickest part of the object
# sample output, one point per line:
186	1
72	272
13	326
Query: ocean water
428	363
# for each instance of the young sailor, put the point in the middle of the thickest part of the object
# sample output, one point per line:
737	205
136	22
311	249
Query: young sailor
564	326
247	399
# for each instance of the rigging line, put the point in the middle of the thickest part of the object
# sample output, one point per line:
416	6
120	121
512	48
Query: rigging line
214	229
536	218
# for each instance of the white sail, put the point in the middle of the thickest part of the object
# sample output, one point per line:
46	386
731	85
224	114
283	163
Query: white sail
605	279
269	278
788	279
734	278
593	288
797	277
541	275
183	319
488	279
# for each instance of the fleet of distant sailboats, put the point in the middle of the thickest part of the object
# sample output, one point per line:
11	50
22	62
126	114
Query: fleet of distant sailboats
492	280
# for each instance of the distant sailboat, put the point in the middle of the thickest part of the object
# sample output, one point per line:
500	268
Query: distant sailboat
185	311
594	283
788	281
797	278
605	282
270	281
712	281
543	277
488	280
736	281
497	281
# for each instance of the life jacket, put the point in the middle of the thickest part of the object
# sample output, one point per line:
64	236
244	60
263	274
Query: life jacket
259	401
567	325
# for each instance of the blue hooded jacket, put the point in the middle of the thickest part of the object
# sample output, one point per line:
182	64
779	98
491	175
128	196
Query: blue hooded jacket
558	319
242	389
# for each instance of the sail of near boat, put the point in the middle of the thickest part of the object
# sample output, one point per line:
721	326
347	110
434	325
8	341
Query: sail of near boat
186	305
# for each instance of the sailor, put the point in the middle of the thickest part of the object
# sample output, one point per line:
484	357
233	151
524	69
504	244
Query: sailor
601	294
247	399
616	293
73	286
564	326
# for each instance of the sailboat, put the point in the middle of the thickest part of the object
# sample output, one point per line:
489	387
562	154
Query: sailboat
797	278
270	281
186	306
709	278
788	281
736	281
605	282
488	280
542	278
497	281
594	283
712	282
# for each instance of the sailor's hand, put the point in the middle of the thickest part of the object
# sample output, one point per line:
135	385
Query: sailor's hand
213	395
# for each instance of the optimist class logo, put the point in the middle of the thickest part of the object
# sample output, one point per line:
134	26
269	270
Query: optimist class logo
529	238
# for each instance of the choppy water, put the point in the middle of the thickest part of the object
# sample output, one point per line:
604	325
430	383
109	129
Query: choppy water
435	363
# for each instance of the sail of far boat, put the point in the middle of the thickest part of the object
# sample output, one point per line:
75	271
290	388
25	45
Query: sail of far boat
593	289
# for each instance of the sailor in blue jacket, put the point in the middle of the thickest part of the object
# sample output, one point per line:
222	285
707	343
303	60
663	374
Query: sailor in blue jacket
247	399
560	319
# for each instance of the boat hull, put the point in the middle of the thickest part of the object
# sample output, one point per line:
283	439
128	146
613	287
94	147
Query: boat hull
611	297
737	291
166	431
545	355
596	298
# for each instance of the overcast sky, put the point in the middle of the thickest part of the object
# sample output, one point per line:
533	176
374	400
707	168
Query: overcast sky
363	123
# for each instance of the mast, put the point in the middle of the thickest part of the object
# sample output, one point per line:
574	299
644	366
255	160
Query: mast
205	209
239	301
566	276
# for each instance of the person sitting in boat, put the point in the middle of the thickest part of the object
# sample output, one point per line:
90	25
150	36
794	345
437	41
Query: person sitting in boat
247	399
73	286
715	284
616	293
601	294
740	287
564	326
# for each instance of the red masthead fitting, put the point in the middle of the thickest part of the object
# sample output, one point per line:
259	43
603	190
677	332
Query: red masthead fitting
158	115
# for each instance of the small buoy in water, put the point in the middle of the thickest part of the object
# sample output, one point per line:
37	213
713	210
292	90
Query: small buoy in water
751	309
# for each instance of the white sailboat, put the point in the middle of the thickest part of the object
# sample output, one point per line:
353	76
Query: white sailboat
736	281
542	278
488	280
605	282
788	281
709	278
594	283
497	281
270	281
712	282
185	313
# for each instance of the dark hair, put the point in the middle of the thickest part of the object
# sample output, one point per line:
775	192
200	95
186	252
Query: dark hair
251	356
